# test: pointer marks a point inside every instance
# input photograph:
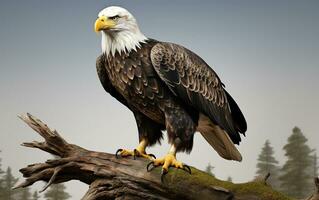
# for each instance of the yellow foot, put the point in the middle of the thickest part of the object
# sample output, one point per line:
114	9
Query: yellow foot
135	153
168	161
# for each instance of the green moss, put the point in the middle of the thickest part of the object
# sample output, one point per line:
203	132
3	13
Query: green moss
176	177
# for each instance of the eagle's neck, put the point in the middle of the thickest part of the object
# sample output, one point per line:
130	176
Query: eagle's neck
122	41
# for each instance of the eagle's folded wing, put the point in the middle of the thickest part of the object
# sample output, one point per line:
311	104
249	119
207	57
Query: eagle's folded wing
197	85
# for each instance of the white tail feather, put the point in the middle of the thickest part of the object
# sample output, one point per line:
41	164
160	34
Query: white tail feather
218	139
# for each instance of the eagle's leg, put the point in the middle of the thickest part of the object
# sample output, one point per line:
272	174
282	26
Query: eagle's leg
138	152
180	128
149	133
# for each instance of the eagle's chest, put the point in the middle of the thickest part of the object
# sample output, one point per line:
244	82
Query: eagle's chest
128	73
118	76
136	80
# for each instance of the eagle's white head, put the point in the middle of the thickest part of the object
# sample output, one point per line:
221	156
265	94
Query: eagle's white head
120	32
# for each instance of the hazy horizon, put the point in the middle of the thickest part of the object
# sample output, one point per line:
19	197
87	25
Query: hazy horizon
266	53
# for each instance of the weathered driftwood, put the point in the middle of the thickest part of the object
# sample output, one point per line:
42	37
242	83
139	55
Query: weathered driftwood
315	196
126	178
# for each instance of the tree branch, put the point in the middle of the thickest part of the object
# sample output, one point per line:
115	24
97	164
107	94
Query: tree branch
126	178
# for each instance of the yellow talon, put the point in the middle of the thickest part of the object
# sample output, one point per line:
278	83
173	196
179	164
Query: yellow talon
138	152
168	161
125	153
135	153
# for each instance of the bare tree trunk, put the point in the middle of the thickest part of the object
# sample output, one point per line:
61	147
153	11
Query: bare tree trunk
126	178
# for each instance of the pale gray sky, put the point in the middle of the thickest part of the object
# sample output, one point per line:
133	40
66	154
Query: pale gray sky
266	52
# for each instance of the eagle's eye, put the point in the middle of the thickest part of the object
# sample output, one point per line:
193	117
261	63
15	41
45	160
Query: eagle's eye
114	17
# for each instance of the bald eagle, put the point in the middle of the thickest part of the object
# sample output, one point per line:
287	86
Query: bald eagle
167	87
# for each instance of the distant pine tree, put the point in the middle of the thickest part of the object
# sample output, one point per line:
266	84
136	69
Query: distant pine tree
268	163
209	169
315	165
24	194
296	180
1	171
57	192
8	182
35	196
229	179
1	179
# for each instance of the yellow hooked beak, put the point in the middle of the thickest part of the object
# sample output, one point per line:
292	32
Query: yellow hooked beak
103	23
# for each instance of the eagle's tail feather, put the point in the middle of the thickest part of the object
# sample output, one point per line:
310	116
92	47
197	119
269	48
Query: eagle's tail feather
218	139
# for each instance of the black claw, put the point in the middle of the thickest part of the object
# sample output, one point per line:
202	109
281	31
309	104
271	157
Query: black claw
152	155
186	168
116	154
164	172
152	166
135	153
